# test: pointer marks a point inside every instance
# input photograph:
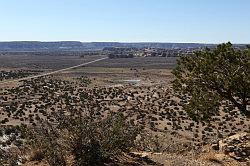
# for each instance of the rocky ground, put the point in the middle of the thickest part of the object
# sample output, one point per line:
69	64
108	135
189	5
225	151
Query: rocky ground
175	139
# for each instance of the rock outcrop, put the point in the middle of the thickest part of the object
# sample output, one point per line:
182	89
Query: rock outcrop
236	146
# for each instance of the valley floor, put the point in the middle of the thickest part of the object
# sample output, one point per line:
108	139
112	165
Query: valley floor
141	92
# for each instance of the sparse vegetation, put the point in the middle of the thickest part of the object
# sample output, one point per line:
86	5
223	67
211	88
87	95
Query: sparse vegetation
116	55
84	80
108	122
88	140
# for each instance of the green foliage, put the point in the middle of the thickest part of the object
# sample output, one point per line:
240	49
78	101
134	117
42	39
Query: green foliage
2	157
48	139
117	55
212	75
94	141
90	140
84	80
8	158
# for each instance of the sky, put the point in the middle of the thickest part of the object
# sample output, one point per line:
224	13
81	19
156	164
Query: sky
198	21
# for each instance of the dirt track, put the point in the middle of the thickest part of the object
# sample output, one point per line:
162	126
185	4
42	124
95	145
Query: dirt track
53	72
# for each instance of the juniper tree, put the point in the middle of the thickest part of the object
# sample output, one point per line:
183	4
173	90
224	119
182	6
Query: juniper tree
213	75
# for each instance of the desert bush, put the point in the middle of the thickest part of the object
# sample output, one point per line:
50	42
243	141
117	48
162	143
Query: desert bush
112	55
48	142
164	142
84	80
94	141
37	155
2	157
148	141
1	132
9	157
89	139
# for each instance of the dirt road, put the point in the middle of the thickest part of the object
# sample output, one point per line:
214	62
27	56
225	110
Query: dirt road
50	73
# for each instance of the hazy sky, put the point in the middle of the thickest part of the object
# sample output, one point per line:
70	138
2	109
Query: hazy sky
209	21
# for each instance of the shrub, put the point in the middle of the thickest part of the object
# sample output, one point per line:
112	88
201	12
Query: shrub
89	139
84	80
47	139
94	142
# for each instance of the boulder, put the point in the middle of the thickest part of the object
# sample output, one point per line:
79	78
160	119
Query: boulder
236	146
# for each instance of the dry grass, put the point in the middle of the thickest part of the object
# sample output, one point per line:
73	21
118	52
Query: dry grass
220	159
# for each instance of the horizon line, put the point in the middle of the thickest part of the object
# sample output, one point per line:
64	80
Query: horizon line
160	42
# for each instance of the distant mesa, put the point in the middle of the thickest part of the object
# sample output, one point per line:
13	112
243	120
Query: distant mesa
77	46
81	46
